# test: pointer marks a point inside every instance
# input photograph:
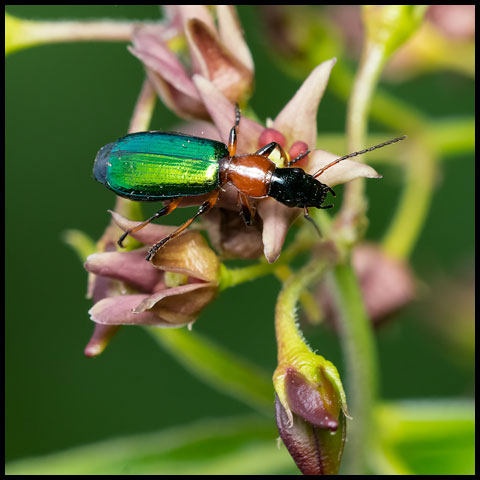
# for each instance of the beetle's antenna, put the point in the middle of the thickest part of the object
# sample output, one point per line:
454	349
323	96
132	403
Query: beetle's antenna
354	154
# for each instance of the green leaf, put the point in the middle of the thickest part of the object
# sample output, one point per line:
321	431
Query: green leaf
428	437
241	446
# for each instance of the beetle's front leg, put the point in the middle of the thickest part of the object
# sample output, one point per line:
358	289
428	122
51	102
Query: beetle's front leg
269	148
205	207
161	213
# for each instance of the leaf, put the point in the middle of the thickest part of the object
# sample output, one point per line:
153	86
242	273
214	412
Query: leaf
242	446
429	437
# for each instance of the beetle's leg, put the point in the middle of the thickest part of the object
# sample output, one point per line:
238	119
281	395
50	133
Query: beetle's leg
310	219
164	211
298	158
248	209
205	207
269	148
232	140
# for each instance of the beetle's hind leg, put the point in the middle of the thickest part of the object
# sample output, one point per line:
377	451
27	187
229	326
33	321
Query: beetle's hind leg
205	207
161	213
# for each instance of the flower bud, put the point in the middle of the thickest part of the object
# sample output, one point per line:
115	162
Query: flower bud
310	412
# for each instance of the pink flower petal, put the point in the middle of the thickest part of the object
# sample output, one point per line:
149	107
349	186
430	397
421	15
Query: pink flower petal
298	119
166	73
100	339
231	34
342	172
277	219
199	128
199	12
128	267
148	48
222	112
119	311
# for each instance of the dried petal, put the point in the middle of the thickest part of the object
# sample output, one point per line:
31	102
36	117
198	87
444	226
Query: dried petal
189	254
178	305
213	61
231	237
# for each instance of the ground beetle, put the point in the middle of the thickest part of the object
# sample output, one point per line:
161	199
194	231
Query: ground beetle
157	166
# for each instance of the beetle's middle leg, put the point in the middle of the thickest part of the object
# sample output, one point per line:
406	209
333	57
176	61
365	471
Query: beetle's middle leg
164	211
205	207
248	209
232	140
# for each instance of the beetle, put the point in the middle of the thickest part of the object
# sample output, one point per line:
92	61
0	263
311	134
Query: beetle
156	166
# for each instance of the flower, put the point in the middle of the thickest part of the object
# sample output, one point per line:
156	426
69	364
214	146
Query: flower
218	53
311	413
387	284
169	291
295	128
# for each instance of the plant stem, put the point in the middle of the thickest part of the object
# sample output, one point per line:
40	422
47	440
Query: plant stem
361	361
355	326
289	338
354	203
412	210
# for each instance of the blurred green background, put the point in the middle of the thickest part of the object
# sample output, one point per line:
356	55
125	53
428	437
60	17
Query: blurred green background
63	102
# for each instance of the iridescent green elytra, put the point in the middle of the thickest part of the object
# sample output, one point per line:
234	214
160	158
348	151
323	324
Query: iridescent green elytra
153	166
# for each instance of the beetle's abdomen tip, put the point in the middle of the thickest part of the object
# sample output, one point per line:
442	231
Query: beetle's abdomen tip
100	166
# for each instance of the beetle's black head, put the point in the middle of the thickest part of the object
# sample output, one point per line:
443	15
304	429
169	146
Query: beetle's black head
295	188
100	166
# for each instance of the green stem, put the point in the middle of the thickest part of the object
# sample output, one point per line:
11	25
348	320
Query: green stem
290	340
354	203
20	33
355	326
452	136
361	359
412	210
230	277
